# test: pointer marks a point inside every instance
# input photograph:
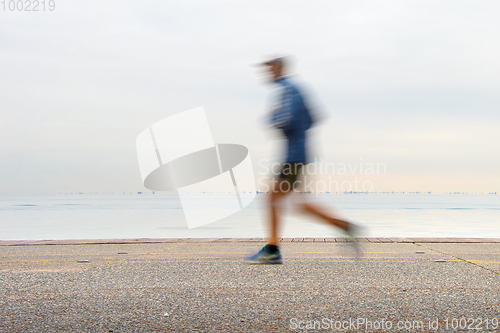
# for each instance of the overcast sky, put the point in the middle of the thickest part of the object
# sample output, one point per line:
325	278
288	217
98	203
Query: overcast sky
412	84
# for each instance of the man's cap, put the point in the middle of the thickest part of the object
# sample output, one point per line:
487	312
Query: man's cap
272	60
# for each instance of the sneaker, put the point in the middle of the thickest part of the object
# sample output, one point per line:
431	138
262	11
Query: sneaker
263	257
352	233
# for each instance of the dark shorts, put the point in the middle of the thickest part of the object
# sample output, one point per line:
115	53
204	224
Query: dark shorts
292	173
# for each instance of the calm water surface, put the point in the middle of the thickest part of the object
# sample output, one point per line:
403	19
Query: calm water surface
160	216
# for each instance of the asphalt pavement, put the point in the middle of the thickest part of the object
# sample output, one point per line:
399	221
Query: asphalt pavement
196	285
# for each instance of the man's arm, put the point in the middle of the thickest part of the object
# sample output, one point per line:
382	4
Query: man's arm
282	116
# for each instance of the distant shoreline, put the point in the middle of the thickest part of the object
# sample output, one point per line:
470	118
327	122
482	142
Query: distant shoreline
249	240
426	193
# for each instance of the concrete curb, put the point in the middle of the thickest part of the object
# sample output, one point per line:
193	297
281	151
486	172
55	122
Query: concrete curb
220	240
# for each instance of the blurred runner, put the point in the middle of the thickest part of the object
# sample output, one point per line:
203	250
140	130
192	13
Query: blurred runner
292	117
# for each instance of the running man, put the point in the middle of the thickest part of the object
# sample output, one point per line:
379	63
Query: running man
292	117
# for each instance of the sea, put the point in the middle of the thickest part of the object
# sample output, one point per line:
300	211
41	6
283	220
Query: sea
119	216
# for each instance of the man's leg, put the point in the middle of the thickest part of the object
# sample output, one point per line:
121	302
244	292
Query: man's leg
278	192
351	229
270	253
320	212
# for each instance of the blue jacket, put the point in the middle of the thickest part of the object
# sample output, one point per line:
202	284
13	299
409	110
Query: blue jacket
294	118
